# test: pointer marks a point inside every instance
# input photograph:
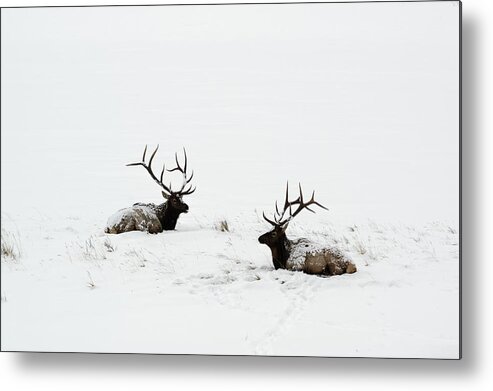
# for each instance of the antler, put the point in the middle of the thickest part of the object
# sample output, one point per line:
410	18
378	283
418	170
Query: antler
149	169
183	170
159	181
279	216
302	205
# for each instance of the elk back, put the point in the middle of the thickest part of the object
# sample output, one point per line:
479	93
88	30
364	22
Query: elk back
312	258
139	217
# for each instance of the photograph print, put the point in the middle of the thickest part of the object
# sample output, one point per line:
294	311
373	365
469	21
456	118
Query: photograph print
262	179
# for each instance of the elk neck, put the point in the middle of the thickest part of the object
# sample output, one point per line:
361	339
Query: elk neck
168	216
280	252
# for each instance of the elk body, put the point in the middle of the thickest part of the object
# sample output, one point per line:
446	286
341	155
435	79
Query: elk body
301	254
154	218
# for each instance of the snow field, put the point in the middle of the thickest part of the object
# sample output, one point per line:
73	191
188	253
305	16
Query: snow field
201	290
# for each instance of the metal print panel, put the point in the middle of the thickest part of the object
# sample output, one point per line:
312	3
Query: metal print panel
266	179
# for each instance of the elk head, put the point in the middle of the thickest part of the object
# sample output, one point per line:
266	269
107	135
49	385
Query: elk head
174	199
276	237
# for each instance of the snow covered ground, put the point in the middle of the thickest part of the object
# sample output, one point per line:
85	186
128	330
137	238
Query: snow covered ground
201	290
345	113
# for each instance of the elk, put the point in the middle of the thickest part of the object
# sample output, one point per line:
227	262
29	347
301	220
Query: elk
301	254
151	217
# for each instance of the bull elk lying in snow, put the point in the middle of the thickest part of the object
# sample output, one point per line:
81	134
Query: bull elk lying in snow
151	217
301	254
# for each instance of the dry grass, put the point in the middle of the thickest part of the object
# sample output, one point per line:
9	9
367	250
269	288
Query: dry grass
10	246
110	247
222	226
137	255
91	250
90	283
360	246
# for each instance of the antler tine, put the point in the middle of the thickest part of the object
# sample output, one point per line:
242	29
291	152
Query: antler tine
268	220
177	168
152	156
188	191
312	201
148	167
183	170
302	205
162	173
287	206
279	215
189	179
286	200
176	160
144	155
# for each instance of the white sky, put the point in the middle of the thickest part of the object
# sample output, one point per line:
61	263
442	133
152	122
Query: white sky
359	101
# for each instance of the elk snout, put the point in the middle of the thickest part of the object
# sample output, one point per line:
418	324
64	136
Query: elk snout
261	239
185	208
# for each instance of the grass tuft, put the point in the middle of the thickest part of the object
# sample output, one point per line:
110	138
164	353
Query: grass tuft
91	250
10	246
110	247
222	226
90	283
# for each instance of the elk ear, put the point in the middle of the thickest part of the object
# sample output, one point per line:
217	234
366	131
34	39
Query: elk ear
284	227
165	195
